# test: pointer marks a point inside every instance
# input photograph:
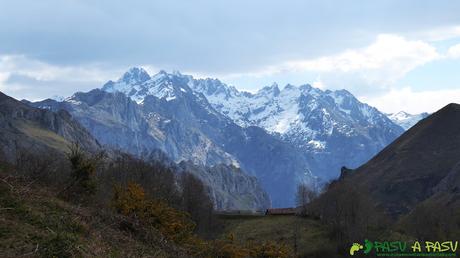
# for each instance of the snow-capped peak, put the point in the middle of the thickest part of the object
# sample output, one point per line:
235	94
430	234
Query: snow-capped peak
304	112
406	120
58	98
401	115
272	90
135	75
136	83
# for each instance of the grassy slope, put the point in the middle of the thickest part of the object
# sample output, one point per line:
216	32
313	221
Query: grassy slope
34	223
311	235
42	135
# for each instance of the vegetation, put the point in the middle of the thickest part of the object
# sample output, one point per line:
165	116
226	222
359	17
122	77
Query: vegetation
436	218
96	205
41	135
303	236
304	196
146	213
88	205
83	182
348	214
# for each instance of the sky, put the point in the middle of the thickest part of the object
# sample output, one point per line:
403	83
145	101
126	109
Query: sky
394	55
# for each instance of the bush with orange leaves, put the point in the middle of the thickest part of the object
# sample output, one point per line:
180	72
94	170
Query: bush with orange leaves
177	226
132	202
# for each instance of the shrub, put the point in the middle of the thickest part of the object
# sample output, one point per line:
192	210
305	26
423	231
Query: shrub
83	183
59	245
350	214
173	224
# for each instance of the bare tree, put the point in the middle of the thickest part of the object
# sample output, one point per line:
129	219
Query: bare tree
158	180
304	195
196	201
350	213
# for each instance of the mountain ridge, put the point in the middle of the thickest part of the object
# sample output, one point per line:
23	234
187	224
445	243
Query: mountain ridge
318	122
308	134
25	128
421	162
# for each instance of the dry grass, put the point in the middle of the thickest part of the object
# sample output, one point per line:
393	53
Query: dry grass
42	135
312	237
35	223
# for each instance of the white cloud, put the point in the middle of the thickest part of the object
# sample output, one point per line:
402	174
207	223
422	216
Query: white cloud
22	77
375	67
413	101
454	51
318	83
387	59
20	64
369	72
438	34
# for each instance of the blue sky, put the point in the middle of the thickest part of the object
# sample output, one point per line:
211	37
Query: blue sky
395	55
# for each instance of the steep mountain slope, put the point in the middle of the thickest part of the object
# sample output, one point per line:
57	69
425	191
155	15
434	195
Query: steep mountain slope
168	115
26	128
406	120
332	127
117	120
419	164
232	189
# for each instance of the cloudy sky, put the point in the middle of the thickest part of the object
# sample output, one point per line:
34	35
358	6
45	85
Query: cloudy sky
395	55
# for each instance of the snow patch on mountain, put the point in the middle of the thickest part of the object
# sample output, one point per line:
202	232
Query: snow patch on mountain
303	112
137	84
406	120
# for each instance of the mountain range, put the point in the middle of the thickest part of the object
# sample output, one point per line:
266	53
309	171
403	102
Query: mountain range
25	129
333	128
186	127
283	137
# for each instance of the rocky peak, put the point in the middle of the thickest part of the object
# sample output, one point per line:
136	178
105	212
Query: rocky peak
135	75
137	85
271	91
406	120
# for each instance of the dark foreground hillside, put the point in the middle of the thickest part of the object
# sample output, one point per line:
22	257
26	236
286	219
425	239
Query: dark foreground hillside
35	223
409	191
418	165
115	216
306	237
